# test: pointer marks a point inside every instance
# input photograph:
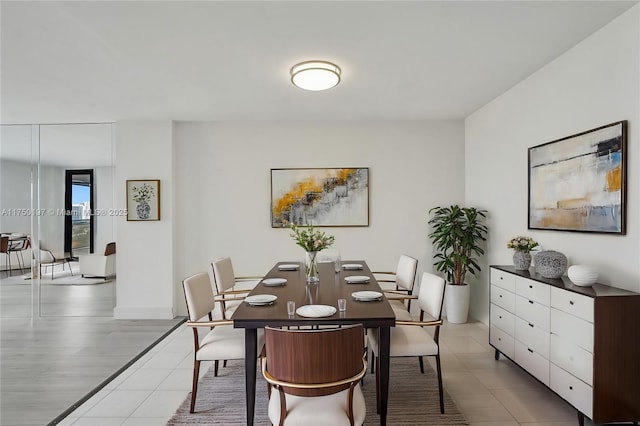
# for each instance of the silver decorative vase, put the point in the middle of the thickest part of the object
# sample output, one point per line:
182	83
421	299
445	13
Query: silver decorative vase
551	264
521	260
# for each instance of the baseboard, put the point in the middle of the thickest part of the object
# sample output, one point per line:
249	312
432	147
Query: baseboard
146	312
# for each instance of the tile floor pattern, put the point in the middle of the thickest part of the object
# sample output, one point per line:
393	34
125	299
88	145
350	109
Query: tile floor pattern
488	392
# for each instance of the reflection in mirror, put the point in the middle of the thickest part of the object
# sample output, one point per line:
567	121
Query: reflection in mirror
86	147
15	221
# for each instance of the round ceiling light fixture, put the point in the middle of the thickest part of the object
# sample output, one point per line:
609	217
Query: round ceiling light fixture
315	75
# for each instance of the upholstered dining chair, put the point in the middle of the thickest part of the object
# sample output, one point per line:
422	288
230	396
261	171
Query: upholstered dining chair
419	338
399	284
222	341
229	287
4	249
316	375
19	243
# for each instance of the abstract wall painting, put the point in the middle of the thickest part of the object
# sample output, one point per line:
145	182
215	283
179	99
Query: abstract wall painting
320	197
578	183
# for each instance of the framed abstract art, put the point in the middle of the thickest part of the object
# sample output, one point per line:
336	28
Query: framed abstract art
320	197
578	183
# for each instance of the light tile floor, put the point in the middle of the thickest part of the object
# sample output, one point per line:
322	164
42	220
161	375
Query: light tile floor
488	392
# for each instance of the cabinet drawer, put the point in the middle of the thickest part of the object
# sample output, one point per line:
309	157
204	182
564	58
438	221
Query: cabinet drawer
572	303
533	290
503	279
573	390
533	312
572	329
533	362
501	341
502	319
572	358
503	298
533	337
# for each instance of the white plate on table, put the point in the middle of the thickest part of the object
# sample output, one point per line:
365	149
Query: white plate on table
273	282
288	267
366	296
260	299
316	311
357	279
352	266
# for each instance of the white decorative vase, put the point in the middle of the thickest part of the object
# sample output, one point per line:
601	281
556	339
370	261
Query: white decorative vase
582	275
456	299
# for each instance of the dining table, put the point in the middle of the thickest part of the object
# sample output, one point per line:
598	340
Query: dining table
287	282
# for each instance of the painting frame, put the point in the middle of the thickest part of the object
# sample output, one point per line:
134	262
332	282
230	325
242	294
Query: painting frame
143	200
320	196
579	183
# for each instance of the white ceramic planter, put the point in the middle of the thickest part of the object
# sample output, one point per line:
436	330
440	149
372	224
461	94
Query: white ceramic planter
456	299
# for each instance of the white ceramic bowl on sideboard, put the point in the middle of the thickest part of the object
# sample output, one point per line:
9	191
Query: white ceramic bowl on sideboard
582	275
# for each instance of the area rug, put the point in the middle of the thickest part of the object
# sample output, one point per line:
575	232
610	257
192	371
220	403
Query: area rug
413	398
60	277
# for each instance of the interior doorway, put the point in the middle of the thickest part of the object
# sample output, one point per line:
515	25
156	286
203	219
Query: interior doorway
79	223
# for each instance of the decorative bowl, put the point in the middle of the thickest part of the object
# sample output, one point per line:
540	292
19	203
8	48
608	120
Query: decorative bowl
582	275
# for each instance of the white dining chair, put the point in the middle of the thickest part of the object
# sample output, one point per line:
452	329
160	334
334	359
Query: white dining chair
419	338
398	286
222	342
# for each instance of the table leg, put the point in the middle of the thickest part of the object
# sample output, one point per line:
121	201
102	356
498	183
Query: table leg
383	372
250	356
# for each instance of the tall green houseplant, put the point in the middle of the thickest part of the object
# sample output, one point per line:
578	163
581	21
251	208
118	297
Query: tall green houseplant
456	233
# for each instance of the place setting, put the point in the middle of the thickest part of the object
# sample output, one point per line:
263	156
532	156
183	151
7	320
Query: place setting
357	279
352	266
367	296
274	282
261	299
289	267
316	311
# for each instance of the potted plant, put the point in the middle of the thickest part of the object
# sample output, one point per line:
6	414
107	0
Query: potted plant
456	233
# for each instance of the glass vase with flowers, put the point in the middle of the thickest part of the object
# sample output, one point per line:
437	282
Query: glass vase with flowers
312	241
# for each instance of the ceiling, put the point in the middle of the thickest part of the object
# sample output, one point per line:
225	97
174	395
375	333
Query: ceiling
86	61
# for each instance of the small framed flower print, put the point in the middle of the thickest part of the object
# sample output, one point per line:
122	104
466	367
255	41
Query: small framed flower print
143	199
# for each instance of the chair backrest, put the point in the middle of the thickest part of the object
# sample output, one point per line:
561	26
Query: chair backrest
406	272
198	295
110	249
4	244
431	295
314	356
223	275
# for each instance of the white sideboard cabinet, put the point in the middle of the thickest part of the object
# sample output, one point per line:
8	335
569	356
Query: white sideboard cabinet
581	342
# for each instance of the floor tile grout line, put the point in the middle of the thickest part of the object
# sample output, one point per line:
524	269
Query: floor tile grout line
98	388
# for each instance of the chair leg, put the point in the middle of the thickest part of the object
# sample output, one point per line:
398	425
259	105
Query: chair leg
224	363
194	386
421	364
215	368
377	384
440	383
373	362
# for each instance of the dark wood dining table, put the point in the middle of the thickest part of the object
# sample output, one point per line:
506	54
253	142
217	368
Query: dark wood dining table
375	315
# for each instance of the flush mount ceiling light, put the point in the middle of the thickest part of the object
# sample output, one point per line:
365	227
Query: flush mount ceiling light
315	75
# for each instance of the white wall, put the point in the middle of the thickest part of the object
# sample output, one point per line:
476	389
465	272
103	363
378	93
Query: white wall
104	202
595	83
15	181
52	201
223	189
145	249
